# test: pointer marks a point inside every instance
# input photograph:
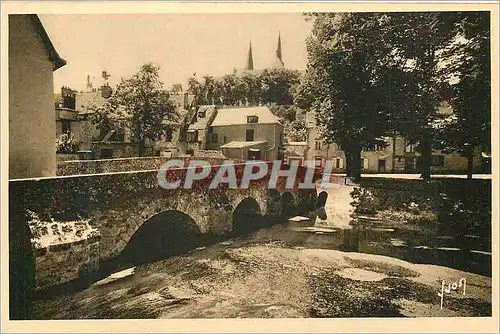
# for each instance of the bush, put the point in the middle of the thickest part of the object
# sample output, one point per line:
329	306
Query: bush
66	143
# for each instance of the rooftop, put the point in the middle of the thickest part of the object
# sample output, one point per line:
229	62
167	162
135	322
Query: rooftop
201	123
238	116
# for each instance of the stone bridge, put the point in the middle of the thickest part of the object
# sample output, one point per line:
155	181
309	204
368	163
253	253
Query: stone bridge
69	227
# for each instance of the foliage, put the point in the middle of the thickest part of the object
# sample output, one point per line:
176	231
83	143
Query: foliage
142	104
468	76
286	114
66	143
296	131
379	74
274	86
344	81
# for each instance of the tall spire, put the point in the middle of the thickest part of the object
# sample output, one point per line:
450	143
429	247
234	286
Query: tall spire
250	59
279	56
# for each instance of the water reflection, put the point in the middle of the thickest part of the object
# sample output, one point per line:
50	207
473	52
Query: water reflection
368	234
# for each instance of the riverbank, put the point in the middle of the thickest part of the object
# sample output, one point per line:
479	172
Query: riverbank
248	279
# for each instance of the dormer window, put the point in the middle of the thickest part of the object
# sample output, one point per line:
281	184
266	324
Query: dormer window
252	119
201	114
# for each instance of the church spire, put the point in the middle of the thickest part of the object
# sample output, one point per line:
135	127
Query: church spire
279	56
249	66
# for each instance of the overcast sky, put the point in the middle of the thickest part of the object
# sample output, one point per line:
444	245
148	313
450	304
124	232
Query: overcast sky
182	44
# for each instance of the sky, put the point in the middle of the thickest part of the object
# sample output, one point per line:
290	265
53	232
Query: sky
181	44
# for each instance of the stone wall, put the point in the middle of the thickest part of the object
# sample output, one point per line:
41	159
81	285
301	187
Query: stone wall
79	167
74	244
63	157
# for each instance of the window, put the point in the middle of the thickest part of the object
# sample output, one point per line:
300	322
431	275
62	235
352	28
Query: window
225	139
375	147
318	162
106	153
201	114
410	148
438	160
318	145
337	163
364	164
249	135
252	119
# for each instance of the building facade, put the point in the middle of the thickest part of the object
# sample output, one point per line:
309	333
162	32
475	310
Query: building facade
248	133
32	133
397	155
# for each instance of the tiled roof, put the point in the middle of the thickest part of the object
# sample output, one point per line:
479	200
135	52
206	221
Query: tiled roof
238	116
202	123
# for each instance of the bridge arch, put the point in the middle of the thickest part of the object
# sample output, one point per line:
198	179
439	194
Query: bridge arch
247	216
167	233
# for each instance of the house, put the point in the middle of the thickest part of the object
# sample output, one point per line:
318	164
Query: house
32	127
173	143
197	134
393	155
249	133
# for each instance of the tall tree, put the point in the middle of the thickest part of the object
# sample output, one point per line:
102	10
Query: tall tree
277	85
468	74
418	39
141	103
343	81
376	74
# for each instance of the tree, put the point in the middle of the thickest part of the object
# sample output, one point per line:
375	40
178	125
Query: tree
376	74
196	88
296	130
141	103
276	85
286	114
343	81
417	40
468	74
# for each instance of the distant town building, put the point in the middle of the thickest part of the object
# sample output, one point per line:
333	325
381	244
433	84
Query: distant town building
248	133
32	128
295	151
197	133
398	155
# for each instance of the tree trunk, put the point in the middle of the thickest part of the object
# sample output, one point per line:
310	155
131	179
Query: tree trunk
470	162
353	157
425	159
141	147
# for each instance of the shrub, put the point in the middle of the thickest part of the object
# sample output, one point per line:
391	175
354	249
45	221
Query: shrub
66	143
